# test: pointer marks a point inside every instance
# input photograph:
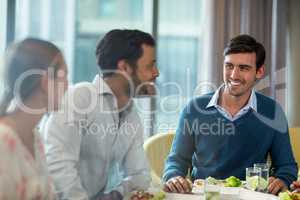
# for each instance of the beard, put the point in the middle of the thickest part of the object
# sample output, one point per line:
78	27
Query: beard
142	88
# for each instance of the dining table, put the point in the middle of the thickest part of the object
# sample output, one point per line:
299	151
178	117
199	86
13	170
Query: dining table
226	194
244	194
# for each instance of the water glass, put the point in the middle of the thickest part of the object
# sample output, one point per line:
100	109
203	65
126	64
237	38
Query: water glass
212	192
264	178
252	178
232	193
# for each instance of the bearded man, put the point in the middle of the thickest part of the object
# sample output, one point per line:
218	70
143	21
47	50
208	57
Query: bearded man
94	148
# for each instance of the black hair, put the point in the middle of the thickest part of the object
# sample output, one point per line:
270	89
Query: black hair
121	44
246	44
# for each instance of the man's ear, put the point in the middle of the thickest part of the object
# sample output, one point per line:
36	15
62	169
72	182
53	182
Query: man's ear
260	72
124	67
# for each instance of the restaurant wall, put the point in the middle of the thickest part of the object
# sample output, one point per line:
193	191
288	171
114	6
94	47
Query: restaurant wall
294	64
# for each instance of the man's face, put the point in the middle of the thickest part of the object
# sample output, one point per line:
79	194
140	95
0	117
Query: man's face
240	73
145	72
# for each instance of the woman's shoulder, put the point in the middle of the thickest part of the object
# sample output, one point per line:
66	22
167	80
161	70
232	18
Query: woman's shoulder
6	130
8	138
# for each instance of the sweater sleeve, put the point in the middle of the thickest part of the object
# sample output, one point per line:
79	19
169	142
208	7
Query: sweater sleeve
180	157
285	167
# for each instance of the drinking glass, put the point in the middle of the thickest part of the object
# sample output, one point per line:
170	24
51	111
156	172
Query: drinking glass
211	191
264	178
252	178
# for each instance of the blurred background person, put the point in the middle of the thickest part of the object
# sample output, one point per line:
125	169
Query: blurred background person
34	81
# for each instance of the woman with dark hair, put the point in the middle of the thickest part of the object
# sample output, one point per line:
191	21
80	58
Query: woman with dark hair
35	78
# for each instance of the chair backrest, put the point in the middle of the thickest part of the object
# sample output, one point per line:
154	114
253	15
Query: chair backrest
295	141
157	149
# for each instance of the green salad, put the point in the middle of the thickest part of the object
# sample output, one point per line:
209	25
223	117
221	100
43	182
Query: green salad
159	196
231	181
289	196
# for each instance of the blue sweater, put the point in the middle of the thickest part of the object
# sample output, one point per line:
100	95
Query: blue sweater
213	146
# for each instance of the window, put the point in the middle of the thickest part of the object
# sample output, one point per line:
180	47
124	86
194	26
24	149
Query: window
2	26
76	26
51	20
94	19
179	55
3	7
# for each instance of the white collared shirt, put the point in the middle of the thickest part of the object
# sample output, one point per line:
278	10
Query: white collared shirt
90	149
252	104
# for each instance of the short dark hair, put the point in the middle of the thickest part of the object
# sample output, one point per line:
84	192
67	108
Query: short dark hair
246	44
120	44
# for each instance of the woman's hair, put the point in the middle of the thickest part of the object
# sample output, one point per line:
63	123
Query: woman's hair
28	54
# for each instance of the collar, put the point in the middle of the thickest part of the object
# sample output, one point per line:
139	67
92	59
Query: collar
103	89
252	102
101	85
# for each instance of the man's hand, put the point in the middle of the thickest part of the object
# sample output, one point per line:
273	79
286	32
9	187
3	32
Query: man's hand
295	186
276	185
113	195
178	184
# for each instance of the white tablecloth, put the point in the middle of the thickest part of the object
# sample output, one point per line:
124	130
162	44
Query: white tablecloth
244	194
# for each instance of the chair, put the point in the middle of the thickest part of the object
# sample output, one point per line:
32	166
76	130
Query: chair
295	142
157	149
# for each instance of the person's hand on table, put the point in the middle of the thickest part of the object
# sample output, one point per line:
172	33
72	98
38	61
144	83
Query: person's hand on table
276	185
113	195
177	184
295	186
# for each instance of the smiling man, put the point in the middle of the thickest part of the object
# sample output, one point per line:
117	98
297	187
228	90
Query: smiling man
95	148
255	127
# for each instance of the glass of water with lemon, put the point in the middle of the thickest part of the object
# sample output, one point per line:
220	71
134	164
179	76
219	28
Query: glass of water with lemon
211	191
264	178
252	178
